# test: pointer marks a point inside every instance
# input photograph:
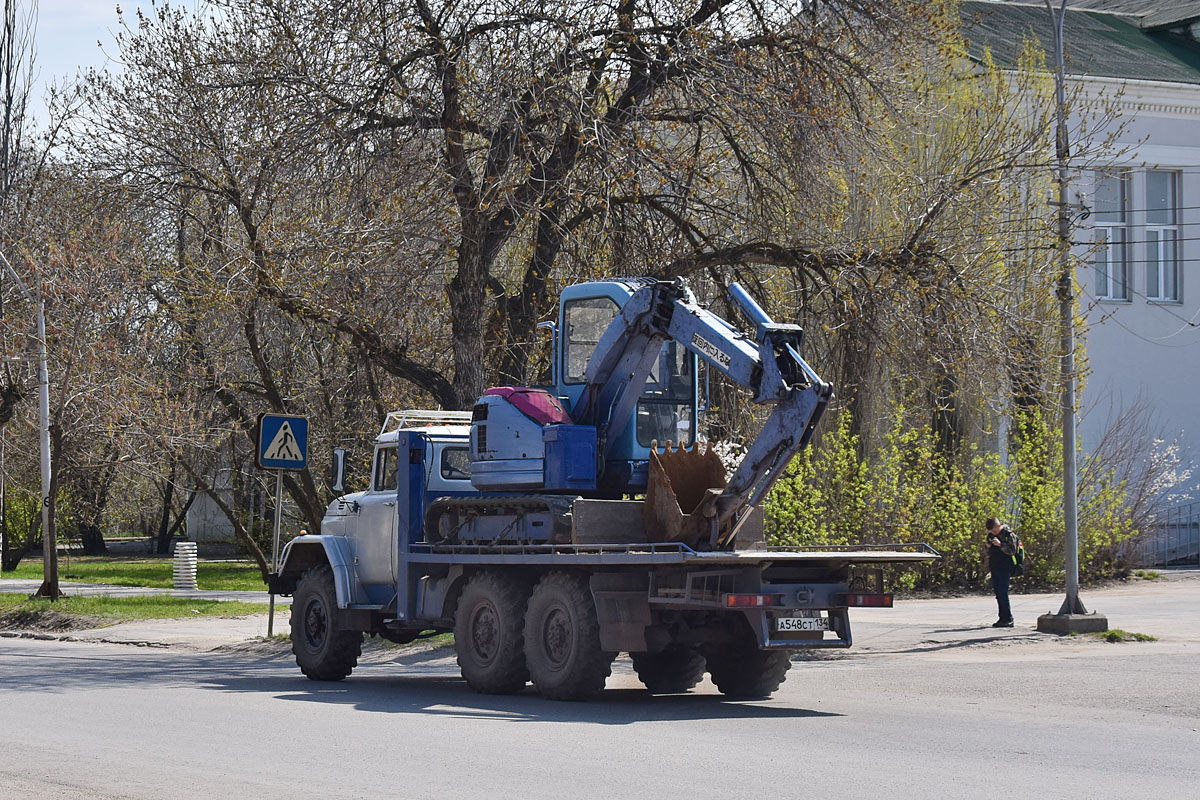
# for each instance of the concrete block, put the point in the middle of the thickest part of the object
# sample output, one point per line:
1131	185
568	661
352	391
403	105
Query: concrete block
623	522
608	522
1072	623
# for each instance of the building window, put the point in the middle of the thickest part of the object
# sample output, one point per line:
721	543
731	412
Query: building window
1162	235
1111	235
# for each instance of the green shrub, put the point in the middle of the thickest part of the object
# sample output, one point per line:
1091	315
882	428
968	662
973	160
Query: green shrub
910	490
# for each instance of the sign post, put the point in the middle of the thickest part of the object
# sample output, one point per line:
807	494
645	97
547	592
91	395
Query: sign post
282	445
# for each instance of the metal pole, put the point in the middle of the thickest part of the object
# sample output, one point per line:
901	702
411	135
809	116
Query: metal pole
49	545
3	499
1066	309
275	546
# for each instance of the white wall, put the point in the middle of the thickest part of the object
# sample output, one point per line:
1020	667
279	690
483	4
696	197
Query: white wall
207	523
1144	353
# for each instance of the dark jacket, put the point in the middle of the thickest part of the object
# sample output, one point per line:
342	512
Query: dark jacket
998	560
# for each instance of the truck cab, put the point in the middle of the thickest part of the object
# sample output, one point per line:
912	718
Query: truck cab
366	525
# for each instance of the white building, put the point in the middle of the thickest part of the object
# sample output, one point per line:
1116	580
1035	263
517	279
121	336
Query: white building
1139	208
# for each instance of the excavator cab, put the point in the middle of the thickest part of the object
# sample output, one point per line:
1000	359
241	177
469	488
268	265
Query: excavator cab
668	409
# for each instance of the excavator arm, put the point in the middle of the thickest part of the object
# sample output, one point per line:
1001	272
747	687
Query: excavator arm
768	364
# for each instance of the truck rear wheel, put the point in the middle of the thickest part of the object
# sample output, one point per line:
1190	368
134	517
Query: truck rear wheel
324	652
747	672
562	639
488	633
675	669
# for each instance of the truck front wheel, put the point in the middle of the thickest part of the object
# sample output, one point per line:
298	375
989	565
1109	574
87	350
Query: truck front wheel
488	630
562	639
324	652
675	669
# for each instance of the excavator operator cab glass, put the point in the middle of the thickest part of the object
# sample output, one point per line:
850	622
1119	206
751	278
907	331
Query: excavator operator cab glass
586	321
664	411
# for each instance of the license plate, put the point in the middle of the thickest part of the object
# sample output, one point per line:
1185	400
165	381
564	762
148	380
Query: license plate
802	624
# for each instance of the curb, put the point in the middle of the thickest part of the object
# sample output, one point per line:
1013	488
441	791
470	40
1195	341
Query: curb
66	637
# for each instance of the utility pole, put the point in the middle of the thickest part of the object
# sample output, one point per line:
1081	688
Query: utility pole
3	499
49	586
1072	617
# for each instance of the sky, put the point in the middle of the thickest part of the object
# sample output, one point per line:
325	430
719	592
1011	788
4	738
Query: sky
70	36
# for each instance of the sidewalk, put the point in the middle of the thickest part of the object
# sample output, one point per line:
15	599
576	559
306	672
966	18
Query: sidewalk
1168	609
200	633
31	585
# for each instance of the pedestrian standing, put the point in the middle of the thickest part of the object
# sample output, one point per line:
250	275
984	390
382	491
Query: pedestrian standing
1000	564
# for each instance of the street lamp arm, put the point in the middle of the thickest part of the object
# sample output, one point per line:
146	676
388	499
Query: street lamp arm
17	278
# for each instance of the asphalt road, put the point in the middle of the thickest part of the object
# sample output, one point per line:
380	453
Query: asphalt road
931	703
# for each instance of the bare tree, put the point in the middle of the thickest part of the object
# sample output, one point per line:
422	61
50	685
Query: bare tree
16	76
481	153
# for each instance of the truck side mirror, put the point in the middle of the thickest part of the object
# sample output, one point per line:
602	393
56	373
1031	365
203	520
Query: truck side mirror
339	470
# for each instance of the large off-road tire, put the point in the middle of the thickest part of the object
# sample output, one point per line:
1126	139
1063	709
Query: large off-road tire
744	671
562	639
488	633
675	669
323	651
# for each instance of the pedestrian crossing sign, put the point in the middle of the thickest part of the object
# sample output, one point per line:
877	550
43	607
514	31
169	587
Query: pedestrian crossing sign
282	442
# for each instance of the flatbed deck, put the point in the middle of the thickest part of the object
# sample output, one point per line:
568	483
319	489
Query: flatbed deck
617	555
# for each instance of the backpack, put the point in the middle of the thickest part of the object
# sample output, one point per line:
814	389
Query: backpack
1012	546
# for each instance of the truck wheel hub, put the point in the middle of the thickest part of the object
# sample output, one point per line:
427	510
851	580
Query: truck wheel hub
316	623
484	632
556	637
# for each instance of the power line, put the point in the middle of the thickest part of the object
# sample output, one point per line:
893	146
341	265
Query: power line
1114	317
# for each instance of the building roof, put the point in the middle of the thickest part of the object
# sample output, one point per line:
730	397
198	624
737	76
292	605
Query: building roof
1098	43
1151	14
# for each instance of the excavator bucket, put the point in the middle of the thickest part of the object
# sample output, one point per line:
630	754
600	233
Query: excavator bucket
680	490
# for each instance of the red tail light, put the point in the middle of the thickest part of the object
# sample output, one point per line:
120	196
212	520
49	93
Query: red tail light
752	600
865	600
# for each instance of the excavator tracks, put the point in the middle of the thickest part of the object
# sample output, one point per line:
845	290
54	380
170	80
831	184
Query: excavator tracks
502	520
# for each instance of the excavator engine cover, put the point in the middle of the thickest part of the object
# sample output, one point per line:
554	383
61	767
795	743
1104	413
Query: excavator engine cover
680	494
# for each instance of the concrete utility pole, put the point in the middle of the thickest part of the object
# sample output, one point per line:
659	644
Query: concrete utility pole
1072	617
49	586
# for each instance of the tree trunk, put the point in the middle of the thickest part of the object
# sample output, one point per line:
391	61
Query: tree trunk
164	519
93	540
239	530
165	535
11	558
468	302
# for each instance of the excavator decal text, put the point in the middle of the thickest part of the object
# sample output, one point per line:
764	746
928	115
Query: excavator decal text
710	350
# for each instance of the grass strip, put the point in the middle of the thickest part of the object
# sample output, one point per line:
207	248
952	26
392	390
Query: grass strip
149	572
1117	635
112	610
